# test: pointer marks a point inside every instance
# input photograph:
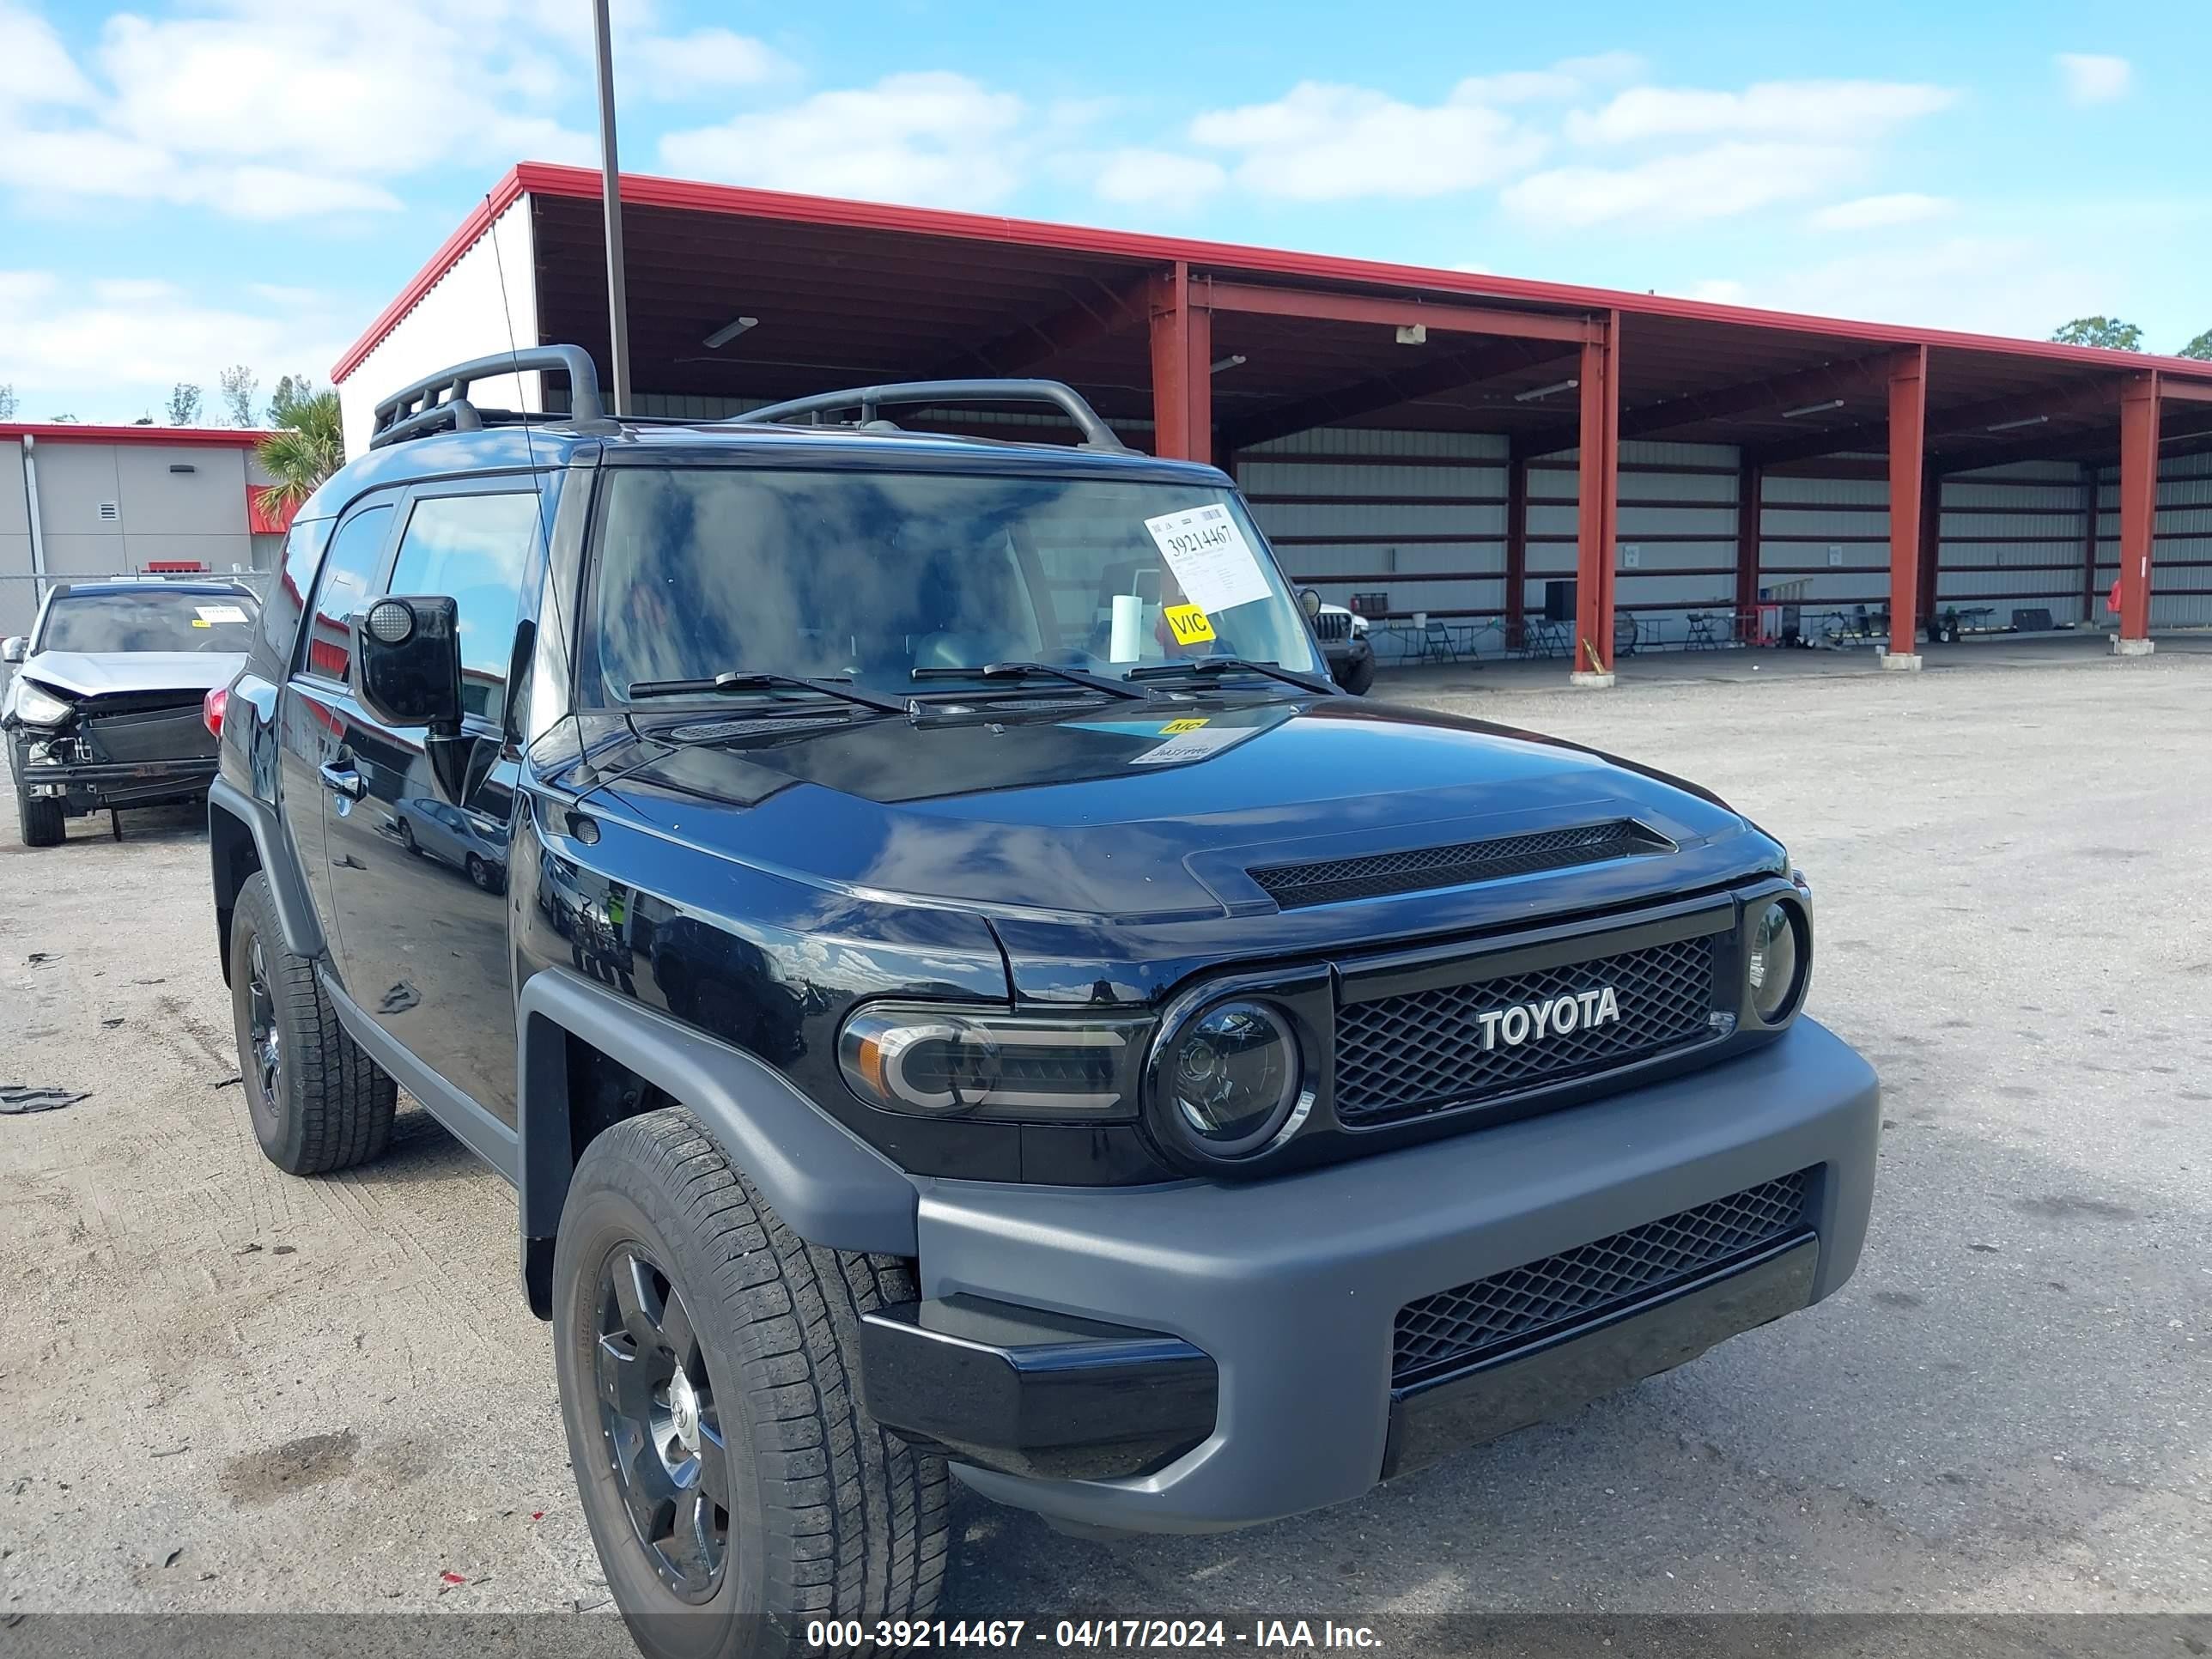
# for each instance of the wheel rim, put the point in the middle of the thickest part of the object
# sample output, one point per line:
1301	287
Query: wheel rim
661	1429
263	1040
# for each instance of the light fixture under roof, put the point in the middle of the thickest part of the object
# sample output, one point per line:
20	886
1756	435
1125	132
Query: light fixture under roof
2025	420
1812	409
1536	391
1234	359
729	331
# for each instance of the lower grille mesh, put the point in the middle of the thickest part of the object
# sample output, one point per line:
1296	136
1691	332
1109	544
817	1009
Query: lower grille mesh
1458	1326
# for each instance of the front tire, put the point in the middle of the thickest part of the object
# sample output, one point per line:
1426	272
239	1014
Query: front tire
735	1486
41	820
1358	676
318	1102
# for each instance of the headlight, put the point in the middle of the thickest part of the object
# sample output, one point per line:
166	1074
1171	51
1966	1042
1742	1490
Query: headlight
1358	626
928	1060
1776	960
1232	1078
35	706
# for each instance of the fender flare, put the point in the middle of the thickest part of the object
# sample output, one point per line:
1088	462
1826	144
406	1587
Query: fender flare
295	910
830	1187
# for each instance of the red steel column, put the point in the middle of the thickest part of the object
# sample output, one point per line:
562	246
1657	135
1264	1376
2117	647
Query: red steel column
1516	550
1908	431
1750	504
1182	355
1596	498
2138	500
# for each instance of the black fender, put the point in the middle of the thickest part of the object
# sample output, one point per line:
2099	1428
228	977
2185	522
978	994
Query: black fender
830	1187
272	849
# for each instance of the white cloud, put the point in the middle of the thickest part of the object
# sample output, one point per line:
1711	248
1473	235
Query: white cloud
1827	111
1879	212
932	138
35	68
705	60
1155	177
272	109
1698	185
1326	142
1568	78
111	347
2093	78
2014	286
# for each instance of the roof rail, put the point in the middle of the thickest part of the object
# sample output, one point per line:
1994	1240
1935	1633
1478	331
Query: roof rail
1096	435
439	402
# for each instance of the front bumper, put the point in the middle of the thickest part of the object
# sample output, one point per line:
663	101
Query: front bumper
92	786
1291	1287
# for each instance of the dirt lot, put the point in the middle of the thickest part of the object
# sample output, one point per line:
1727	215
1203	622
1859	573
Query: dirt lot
223	1388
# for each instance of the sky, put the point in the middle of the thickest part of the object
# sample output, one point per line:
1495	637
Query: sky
185	187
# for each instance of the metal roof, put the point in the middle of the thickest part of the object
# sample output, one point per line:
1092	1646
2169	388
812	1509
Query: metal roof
850	292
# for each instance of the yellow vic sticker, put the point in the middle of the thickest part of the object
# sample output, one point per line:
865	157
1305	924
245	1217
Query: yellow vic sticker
201	621
1176	728
1189	623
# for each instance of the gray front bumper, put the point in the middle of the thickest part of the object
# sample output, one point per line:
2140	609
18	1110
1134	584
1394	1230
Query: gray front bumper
1293	1287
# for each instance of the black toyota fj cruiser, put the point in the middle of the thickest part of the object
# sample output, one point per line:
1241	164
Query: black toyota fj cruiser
962	992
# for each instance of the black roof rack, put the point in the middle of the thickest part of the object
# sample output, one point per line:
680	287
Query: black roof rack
439	402
1096	435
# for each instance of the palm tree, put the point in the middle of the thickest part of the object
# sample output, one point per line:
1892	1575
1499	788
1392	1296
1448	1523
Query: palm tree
308	446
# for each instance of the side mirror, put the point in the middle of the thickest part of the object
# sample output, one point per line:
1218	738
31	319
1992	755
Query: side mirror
407	662
1310	601
14	648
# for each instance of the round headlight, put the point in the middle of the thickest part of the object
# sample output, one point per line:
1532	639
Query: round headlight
1776	963
1234	1077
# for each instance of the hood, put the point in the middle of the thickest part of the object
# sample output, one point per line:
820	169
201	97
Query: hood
99	674
1063	831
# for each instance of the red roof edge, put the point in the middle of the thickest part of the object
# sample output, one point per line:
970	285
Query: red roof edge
548	179
264	518
233	437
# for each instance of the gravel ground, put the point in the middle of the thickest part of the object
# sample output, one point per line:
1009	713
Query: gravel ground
221	1388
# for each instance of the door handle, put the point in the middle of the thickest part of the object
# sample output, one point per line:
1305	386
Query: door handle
343	779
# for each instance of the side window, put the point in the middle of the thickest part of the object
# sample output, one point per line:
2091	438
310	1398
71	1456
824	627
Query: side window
349	570
473	549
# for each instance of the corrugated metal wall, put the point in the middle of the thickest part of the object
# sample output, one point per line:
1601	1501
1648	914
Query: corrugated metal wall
1675	536
2181	552
1419	516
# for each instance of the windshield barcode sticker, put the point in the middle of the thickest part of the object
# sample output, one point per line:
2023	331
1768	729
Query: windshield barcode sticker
210	614
1210	558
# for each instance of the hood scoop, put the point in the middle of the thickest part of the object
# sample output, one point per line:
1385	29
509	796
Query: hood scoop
1331	881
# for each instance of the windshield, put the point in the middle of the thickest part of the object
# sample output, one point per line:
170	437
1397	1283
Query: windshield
149	621
876	575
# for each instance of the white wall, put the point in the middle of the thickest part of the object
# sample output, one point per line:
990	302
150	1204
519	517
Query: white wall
468	313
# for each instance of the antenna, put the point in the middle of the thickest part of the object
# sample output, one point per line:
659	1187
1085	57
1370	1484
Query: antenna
585	776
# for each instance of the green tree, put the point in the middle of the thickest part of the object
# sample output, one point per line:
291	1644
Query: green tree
2107	331
2200	347
7	402
184	405
61	420
292	391
239	384
307	447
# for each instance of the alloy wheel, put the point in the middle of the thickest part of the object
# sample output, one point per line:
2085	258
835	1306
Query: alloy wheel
661	1430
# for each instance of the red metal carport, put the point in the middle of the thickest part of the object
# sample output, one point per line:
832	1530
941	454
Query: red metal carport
858	293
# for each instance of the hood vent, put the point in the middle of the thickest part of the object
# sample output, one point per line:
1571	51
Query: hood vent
1292	886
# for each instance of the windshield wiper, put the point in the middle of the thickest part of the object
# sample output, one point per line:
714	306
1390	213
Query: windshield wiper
1214	667
727	683
1035	671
